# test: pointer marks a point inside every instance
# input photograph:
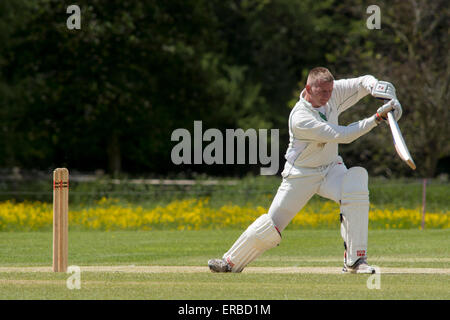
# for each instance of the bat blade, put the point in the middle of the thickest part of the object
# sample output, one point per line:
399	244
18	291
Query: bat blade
399	142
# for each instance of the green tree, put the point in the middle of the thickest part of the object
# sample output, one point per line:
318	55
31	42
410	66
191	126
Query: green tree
108	95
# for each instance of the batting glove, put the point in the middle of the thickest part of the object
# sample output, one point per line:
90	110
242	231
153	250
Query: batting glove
394	106
384	90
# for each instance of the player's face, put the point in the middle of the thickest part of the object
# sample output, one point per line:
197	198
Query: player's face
321	93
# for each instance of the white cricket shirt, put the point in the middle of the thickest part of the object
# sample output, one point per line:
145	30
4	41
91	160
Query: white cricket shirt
313	141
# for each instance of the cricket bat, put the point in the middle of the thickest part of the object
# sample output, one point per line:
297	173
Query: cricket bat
399	142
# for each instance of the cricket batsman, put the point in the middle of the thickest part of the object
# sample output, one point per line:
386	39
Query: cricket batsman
313	166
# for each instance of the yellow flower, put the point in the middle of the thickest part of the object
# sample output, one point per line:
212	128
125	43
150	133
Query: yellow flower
195	214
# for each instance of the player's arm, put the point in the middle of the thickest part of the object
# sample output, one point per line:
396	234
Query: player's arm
306	127
350	91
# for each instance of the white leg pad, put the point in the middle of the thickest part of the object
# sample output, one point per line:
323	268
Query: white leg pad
260	236
355	213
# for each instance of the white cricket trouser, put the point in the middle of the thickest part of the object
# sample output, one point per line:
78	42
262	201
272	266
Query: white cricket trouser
300	185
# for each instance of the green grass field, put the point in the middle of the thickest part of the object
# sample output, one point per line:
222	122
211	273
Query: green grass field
25	260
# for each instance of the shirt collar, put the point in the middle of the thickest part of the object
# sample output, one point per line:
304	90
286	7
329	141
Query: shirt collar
308	104
305	102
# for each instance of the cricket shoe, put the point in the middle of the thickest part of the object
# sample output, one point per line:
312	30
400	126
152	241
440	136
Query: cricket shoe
360	266
219	265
